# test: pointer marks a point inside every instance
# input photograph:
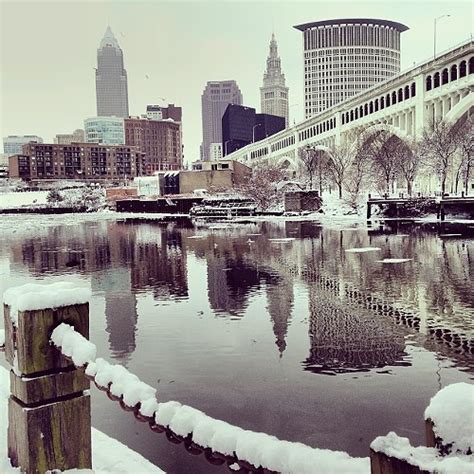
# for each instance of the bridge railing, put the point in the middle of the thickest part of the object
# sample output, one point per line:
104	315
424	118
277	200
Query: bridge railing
52	362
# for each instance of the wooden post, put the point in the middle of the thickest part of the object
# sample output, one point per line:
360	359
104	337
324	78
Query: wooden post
380	463
49	414
441	211
368	210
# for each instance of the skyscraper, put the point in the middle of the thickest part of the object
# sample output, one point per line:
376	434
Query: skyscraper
111	78
216	97
274	93
343	57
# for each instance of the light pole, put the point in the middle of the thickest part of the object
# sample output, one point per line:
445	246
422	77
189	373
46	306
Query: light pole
291	106
434	32
253	131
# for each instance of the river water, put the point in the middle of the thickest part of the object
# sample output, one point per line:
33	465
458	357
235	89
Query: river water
296	337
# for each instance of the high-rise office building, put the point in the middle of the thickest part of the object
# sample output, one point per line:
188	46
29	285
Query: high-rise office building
111	78
238	124
12	145
106	130
241	126
342	57
216	97
274	93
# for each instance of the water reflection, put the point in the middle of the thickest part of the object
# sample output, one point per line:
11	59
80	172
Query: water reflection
359	310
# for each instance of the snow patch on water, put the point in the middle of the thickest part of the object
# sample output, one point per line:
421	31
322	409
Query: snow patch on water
363	249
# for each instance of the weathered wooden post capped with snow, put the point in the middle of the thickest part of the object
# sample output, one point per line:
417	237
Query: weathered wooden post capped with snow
49	415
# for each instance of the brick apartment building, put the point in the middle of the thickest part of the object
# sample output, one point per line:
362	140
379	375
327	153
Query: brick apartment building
159	140
76	161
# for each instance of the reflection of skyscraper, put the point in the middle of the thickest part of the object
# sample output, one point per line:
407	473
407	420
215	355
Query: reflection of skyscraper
280	305
347	338
161	266
120	310
229	284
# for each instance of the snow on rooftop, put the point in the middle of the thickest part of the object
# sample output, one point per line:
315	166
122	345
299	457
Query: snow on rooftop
427	459
452	412
33	296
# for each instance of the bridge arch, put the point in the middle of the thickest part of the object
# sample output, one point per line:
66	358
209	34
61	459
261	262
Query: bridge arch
461	108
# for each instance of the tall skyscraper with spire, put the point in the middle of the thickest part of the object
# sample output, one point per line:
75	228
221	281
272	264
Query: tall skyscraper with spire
274	93
111	78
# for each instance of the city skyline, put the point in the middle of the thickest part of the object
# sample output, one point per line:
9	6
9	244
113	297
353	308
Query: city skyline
162	74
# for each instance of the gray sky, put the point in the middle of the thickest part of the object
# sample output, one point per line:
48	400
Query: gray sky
48	52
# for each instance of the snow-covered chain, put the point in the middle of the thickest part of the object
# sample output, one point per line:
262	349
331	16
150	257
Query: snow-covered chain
258	449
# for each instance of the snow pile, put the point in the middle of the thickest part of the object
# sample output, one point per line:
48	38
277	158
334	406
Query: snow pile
427	459
19	199
122	384
394	260
109	456
452	412
73	345
33	296
259	449
363	249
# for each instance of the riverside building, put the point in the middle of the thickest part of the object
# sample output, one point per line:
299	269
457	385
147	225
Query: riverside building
342	57
81	161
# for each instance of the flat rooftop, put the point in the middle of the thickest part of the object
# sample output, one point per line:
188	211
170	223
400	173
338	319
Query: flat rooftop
352	21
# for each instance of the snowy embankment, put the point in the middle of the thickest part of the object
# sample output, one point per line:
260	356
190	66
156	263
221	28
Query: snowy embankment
109	456
258	449
13	200
452	412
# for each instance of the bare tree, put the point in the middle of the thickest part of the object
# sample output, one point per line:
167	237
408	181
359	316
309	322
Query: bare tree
466	150
310	159
262	185
358	172
409	164
340	159
385	150
439	144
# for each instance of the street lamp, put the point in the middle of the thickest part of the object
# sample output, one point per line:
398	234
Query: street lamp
253	131
434	32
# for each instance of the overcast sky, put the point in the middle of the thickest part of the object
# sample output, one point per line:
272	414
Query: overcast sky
49	51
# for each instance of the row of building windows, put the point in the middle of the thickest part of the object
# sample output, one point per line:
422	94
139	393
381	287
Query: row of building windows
454	73
351	35
317	129
358	52
283	143
395	97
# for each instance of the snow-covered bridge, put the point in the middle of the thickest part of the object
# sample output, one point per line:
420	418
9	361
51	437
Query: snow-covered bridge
440	88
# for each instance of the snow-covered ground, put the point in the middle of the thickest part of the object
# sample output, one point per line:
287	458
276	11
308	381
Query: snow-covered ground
109	456
12	199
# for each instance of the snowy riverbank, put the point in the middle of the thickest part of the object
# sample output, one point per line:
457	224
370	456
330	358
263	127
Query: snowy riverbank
109	456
